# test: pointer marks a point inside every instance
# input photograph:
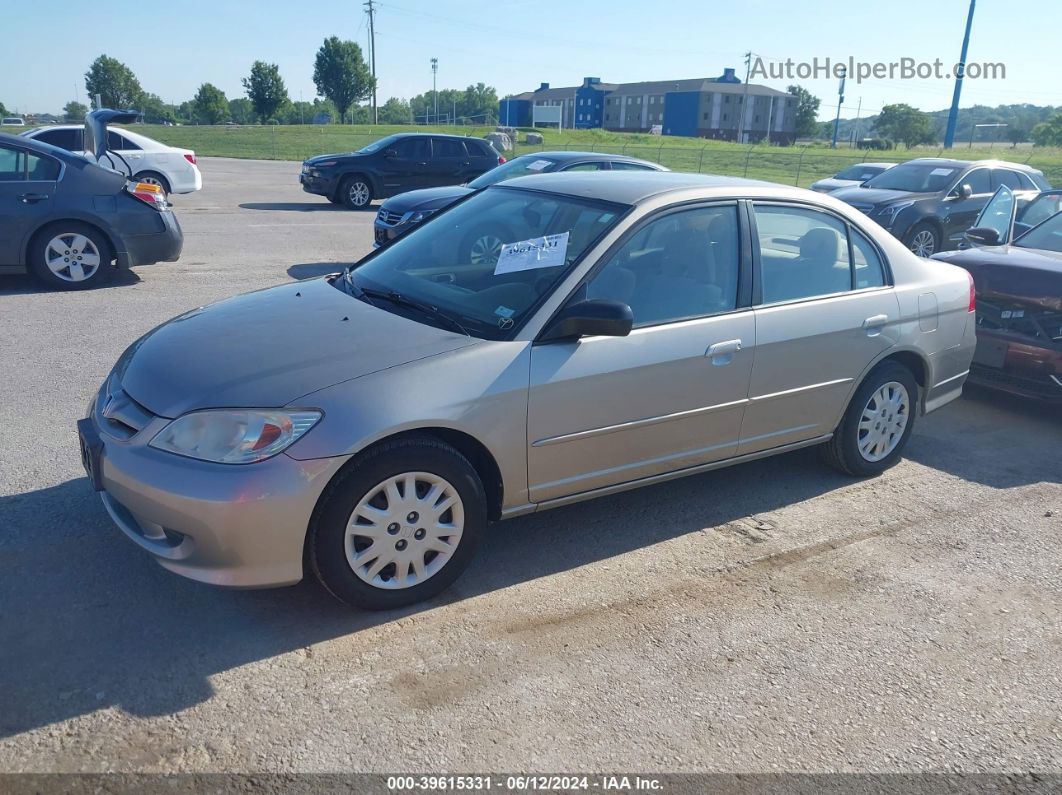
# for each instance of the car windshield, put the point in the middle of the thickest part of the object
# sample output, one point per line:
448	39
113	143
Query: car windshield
862	173
915	178
484	264
376	146
1047	236
1041	208
517	167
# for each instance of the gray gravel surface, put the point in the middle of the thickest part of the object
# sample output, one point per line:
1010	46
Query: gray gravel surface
772	616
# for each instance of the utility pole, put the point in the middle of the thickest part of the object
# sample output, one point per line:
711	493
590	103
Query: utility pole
840	101
370	9
745	98
855	128
434	91
953	114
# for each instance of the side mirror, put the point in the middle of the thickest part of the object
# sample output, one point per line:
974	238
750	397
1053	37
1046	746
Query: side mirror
595	317
983	236
965	191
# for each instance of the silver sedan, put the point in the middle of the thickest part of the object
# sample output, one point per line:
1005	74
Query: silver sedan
634	327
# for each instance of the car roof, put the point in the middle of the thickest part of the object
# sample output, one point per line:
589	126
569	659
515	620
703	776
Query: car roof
433	135
945	161
567	156
39	146
632	187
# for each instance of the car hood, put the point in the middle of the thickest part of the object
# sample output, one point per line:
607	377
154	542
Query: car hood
426	199
311	161
268	348
1030	275
832	183
877	196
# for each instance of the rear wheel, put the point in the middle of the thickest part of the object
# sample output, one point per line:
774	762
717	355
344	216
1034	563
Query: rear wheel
355	192
71	256
877	423
399	526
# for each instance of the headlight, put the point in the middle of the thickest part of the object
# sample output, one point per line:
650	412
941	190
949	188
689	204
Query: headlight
888	214
420	215
234	436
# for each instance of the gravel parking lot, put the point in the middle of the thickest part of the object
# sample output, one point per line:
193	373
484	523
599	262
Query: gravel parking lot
771	616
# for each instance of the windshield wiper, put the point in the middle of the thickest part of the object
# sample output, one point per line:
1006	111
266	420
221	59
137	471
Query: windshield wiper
397	298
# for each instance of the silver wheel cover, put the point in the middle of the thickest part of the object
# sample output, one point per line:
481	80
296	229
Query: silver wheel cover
883	421
404	530
72	257
359	193
923	244
485	250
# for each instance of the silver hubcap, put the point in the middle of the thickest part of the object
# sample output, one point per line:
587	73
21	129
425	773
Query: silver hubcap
404	530
923	243
884	419
72	257
486	250
359	194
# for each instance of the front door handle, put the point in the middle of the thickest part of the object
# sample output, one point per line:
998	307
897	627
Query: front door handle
32	198
723	352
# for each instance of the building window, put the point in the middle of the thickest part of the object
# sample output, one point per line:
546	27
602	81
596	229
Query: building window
725	117
704	117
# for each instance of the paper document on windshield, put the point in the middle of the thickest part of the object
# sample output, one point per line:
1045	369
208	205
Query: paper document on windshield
538	165
538	252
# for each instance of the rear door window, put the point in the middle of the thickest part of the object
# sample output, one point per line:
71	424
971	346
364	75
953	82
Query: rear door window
448	149
1003	176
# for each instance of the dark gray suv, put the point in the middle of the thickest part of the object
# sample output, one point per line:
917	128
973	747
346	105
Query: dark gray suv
395	164
929	203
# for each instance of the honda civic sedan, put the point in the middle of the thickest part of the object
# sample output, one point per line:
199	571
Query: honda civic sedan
369	425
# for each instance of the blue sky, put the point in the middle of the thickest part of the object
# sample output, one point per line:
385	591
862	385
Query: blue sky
174	46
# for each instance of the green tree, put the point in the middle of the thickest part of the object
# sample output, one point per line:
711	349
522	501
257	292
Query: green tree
114	82
1048	133
241	110
394	111
903	123
478	103
155	111
806	124
1016	134
265	89
72	111
211	105
3	110
341	74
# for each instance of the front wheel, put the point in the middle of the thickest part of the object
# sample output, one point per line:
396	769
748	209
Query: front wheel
71	256
877	424
923	239
355	193
399	526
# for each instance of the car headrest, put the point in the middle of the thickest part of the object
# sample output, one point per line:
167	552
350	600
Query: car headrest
820	244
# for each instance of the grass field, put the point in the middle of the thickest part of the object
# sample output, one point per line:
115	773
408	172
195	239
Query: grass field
788	165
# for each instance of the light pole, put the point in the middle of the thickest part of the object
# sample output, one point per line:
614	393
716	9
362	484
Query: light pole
953	114
840	101
434	91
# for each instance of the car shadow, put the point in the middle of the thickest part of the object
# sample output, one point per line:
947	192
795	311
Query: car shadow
986	437
26	284
92	622
311	270
302	207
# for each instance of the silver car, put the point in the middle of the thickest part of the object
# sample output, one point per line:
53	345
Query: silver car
635	327
850	177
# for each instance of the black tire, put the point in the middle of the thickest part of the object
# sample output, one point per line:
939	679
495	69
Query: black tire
921	231
156	178
337	199
39	256
351	196
475	242
842	451
326	551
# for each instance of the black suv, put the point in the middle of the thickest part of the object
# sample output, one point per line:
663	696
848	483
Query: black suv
400	214
929	203
395	164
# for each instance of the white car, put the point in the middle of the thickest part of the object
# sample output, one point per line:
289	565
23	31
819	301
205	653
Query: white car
143	158
851	176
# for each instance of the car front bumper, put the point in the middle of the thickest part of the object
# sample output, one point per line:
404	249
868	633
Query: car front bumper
231	525
164	246
317	183
1017	368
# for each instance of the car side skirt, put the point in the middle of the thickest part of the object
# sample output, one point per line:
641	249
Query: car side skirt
604	491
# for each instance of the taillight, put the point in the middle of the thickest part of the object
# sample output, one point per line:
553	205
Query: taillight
973	293
501	160
190	157
149	194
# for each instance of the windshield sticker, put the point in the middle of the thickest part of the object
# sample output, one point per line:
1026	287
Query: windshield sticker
538	165
538	252
504	311
940	172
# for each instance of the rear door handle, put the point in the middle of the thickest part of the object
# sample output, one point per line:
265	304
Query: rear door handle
723	352
874	323
32	198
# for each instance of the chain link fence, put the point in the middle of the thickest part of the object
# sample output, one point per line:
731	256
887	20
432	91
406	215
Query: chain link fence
787	165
